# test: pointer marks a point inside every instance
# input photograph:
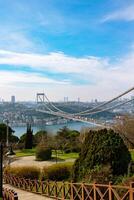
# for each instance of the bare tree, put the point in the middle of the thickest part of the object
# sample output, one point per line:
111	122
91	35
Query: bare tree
125	127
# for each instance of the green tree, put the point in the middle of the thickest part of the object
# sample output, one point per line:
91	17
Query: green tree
102	147
29	137
40	137
68	140
3	134
22	138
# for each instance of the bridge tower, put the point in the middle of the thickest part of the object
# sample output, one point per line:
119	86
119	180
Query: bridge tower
40	97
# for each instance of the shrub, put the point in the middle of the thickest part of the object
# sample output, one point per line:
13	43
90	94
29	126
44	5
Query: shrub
127	180
24	172
100	174
102	147
43	153
57	172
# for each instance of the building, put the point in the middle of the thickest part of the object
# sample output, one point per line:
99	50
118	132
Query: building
13	99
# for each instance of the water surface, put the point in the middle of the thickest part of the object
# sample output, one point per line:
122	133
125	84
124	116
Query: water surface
52	128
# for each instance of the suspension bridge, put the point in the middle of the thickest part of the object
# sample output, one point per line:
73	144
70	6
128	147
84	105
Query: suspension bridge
83	116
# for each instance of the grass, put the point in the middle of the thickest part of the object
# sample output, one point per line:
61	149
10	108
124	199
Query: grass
65	156
60	155
25	152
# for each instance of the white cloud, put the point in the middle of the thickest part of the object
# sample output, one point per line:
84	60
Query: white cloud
126	14
18	79
57	62
107	79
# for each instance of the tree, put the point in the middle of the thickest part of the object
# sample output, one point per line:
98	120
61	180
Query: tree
40	137
29	137
3	134
125	127
22	138
101	148
68	140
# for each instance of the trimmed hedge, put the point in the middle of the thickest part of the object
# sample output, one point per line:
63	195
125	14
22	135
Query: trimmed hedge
43	153
57	172
24	172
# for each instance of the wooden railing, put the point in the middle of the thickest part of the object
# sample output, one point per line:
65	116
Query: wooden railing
9	194
73	191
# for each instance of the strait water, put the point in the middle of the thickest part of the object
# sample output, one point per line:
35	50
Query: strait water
52	128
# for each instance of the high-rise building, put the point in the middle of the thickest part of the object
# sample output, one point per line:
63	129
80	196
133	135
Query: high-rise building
12	99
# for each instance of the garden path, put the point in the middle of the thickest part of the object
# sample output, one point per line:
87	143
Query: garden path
24	195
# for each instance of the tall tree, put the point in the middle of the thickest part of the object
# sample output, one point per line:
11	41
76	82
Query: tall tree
29	137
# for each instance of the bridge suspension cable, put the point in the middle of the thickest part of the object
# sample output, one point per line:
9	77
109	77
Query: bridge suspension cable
89	111
53	104
110	108
106	103
85	119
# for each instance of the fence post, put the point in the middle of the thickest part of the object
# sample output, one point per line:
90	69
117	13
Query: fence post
110	190
131	191
72	193
82	189
94	189
42	187
63	190
48	188
55	189
36	186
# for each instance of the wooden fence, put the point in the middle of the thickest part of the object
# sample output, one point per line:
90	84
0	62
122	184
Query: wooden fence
73	191
9	194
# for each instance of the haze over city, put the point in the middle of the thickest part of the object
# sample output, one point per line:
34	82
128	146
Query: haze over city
68	48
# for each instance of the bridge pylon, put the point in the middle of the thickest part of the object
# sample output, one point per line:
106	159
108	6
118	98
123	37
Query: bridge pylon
40	97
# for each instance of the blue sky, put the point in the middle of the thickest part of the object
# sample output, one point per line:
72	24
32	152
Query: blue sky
79	48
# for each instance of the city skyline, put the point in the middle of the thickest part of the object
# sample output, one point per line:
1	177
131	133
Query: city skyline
68	48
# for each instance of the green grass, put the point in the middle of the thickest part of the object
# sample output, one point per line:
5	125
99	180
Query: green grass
25	152
31	152
65	156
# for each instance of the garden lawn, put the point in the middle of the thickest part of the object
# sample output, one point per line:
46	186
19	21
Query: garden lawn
60	155
65	156
25	152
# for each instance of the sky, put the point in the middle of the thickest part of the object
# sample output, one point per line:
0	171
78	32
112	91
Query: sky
76	48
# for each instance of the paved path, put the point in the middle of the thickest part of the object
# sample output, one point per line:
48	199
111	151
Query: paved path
24	195
30	161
